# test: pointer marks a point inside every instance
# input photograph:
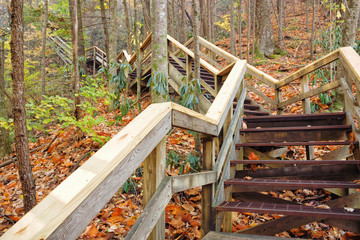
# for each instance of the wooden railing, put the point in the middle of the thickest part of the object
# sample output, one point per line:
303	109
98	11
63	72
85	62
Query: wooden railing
70	207
97	55
63	50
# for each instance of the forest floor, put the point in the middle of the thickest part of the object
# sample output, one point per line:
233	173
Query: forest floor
54	156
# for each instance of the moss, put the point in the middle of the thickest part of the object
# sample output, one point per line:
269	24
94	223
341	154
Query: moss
261	62
280	52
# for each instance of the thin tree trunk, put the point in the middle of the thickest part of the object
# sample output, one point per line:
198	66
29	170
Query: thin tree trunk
312	31
173	22
113	32
240	27
178	22
209	20
81	42
5	144
280	9
21	140
75	74
138	52
264	45
254	31
146	12
43	47
350	22
105	27
232	29
307	14
127	23
248	30
159	43
183	21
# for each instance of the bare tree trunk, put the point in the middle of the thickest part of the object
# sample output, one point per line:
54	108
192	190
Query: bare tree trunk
173	19
75	74
264	45
138	53
178	22
81	42
203	12
183	21
113	32
195	9
21	140
127	22
5	144
43	47
159	43
146	12
350	22
209	20
280	9
105	27
312	31
232	29
248	30
307	14
240	27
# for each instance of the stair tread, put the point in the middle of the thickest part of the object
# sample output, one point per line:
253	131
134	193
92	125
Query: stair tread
314	184
278	144
253	112
288	209
308	128
212	235
297	162
295	117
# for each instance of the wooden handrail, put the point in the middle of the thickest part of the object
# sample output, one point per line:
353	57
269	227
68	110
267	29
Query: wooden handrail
331	57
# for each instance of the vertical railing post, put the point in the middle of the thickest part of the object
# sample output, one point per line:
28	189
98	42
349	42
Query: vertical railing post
278	99
154	172
188	68
304	82
207	193
227	224
94	61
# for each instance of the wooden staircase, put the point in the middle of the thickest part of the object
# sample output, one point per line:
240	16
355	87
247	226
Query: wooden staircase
263	134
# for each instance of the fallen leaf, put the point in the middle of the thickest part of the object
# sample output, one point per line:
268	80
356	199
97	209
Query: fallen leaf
188	207
93	232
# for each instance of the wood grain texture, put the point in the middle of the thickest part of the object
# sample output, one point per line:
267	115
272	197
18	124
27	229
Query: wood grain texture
309	68
217	50
152	212
187	181
260	94
311	93
263	77
224	99
352	60
68	209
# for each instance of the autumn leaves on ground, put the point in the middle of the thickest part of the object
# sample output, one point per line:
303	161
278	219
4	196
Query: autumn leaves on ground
58	152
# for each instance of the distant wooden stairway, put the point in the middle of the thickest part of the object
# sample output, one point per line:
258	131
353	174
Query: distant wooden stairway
229	135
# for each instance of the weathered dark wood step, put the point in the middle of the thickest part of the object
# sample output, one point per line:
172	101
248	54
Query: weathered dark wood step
301	129
250	107
297	162
237	236
255	113
288	209
248	185
295	120
281	144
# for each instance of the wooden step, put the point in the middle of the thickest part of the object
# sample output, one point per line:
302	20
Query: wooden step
295	120
237	236
251	107
282	144
301	134
270	184
288	209
255	113
297	162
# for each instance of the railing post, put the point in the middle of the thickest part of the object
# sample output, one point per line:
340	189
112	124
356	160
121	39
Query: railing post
154	172
94	61
227	224
278	99
304	82
188	68
207	193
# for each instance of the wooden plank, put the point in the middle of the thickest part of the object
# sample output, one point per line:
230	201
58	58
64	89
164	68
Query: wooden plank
186	118
70	207
289	222
337	154
352	60
260	94
217	50
211	61
207	192
331	57
228	140
311	93
178	61
154	173
224	99
124	54
226	69
187	51
175	82
263	77
350	100
207	87
187	181
236	236
187	43
350	74
152	212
